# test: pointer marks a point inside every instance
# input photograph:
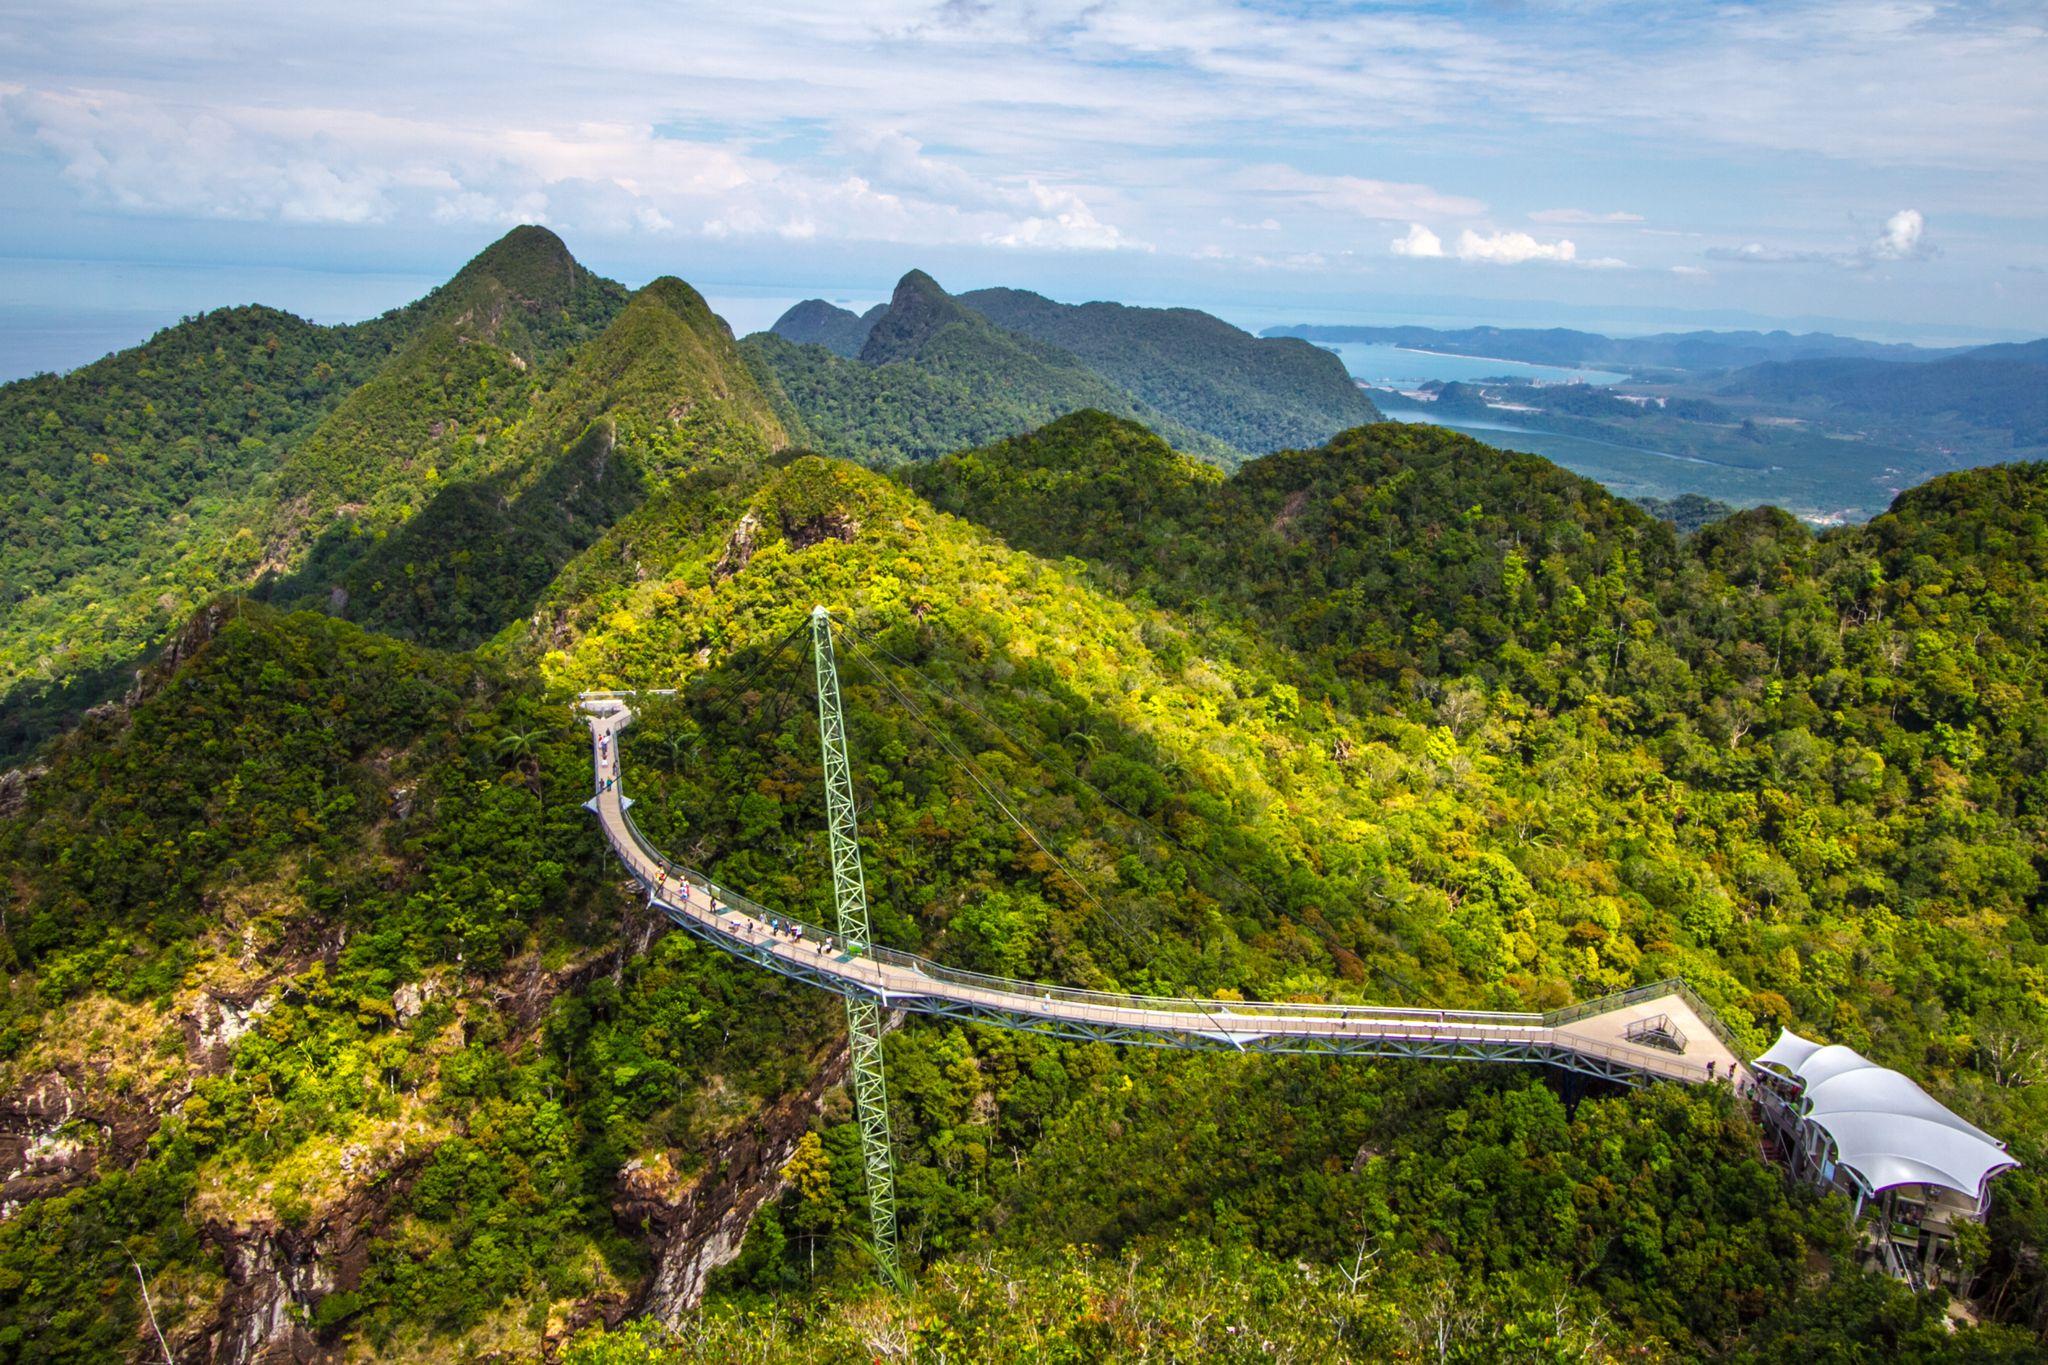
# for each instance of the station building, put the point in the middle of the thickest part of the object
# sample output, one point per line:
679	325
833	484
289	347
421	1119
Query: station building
1848	1124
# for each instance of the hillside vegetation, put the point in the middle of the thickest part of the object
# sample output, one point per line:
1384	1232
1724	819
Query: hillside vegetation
1560	780
330	1025
1998	388
815	322
220	451
453	398
132	485
1251	393
933	376
662	389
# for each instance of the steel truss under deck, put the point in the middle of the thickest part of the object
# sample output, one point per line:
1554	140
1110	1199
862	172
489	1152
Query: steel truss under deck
742	927
1515	1050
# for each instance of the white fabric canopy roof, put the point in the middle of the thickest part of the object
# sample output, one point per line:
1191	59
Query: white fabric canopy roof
1885	1127
1789	1051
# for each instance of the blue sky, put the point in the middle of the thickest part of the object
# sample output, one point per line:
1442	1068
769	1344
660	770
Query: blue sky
1875	167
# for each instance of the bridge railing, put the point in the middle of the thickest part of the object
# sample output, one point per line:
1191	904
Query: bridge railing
1653	990
960	978
1656	1063
1105	1006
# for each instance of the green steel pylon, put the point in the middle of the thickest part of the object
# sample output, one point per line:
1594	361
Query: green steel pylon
850	894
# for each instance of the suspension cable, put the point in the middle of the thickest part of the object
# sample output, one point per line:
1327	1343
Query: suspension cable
974	773
735	691
1073	770
916	714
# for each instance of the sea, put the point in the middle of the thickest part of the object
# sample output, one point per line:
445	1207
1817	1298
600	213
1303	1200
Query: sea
1631	470
1398	367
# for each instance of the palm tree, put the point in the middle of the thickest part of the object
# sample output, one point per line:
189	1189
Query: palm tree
1087	744
522	749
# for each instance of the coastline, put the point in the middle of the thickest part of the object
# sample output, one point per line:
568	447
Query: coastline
1503	360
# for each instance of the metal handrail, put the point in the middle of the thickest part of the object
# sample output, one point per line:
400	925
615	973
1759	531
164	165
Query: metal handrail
1655	1030
1002	985
1670	985
1514	1026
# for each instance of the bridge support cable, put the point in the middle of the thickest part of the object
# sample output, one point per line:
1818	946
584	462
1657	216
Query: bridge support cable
735	690
1067	767
850	901
917	715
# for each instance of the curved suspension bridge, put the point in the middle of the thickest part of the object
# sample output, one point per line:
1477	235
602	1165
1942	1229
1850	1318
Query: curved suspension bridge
1661	1031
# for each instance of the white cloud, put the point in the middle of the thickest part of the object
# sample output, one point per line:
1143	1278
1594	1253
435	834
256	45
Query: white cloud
1390	201
895	160
929	121
1063	223
1582	216
340	166
1512	248
1756	253
337	166
1904	238
1417	241
1497	248
1691	272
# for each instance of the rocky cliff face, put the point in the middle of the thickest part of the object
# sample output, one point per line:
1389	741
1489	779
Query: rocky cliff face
56	1130
62	1125
276	1274
697	1226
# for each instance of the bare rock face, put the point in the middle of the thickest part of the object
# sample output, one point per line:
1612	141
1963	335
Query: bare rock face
408	1000
54	1137
38	1156
277	1274
57	1132
196	634
215	1024
14	785
739	548
698	1226
814	530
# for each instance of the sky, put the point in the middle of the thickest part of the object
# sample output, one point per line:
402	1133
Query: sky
1872	167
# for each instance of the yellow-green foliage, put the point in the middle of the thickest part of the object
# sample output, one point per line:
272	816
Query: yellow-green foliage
668	367
661	391
445	406
1402	718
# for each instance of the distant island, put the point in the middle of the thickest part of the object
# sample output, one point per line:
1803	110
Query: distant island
1830	427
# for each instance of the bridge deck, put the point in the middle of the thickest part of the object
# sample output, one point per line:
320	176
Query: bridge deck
1593	1040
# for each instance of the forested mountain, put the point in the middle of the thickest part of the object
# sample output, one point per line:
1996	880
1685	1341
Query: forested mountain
1257	395
450	403
815	322
330	1030
219	452
129	483
1997	388
662	389
1195	369
933	376
1687	512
